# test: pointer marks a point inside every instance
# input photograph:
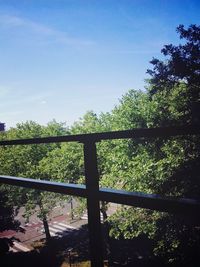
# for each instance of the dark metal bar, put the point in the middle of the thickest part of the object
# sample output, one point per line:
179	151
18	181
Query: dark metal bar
62	188
149	201
94	222
96	137
188	207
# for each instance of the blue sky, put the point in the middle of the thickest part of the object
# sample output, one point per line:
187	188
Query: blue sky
61	58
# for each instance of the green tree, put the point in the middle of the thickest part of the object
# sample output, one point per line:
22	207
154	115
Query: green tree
7	214
181	66
24	161
163	166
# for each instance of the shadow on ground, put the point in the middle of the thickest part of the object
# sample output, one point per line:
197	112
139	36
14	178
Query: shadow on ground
59	250
74	248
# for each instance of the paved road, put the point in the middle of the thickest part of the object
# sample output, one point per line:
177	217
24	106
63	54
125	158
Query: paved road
60	224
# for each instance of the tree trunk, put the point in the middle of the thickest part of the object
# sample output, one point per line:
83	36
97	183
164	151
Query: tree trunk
46	228
43	216
106	229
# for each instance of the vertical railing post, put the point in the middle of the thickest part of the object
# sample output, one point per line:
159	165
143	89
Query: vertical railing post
92	186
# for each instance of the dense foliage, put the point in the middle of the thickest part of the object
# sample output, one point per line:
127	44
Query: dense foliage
168	167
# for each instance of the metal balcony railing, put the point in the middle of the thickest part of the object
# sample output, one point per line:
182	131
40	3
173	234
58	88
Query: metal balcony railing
94	194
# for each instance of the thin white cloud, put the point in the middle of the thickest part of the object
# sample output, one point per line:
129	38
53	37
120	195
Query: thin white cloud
18	98
19	23
11	21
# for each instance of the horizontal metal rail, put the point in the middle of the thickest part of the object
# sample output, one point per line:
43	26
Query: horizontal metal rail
97	137
148	201
45	185
183	206
92	192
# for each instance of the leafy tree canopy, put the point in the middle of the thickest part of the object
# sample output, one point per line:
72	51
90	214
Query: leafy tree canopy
182	66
